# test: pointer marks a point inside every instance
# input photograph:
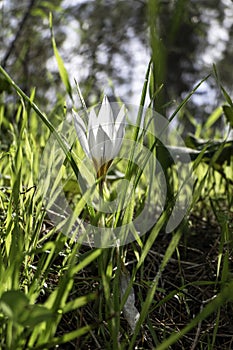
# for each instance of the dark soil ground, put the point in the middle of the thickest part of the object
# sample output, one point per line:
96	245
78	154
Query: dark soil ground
187	284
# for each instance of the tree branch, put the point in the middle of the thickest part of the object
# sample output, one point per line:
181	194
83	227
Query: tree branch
17	35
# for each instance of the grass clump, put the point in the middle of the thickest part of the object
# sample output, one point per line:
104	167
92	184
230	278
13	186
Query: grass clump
58	293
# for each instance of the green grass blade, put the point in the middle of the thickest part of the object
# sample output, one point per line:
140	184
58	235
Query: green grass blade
187	98
149	298
61	67
44	119
220	300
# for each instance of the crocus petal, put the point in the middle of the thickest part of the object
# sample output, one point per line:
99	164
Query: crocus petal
120	119
119	131
105	117
81	132
96	146
116	146
106	144
91	141
93	123
101	149
119	134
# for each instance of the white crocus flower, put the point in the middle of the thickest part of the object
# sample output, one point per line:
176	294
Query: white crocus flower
101	140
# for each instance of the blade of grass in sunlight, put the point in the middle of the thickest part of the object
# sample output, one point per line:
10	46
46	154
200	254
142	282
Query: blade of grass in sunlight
215	115
149	298
56	292
79	302
57	299
45	120
62	70
187	98
66	338
27	265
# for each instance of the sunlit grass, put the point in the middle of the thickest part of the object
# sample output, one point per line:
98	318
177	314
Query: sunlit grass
56	292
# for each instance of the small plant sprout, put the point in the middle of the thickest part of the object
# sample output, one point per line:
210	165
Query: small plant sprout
101	140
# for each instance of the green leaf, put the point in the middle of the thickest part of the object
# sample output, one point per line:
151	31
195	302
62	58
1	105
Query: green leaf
39	13
35	314
79	302
227	97
213	118
150	295
228	111
13	304
44	119
4	85
67	337
93	255
187	98
51	6
61	67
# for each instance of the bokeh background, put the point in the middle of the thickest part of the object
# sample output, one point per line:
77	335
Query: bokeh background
106	47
